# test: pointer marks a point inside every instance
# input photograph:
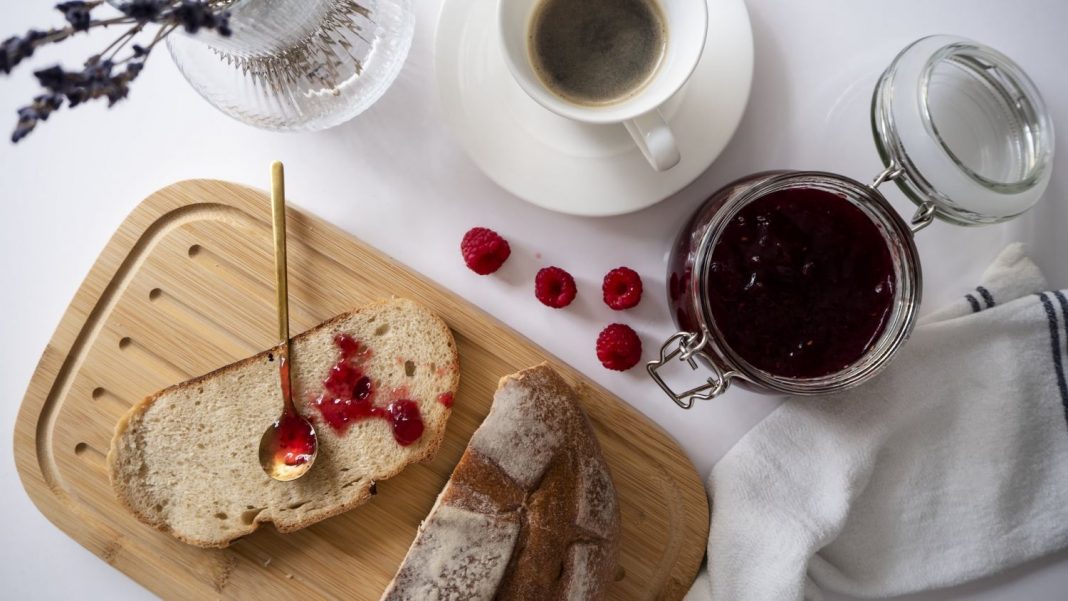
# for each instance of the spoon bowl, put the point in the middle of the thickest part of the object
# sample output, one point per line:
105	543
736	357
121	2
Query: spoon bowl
288	448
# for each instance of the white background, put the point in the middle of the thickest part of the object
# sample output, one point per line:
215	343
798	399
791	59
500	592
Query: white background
396	178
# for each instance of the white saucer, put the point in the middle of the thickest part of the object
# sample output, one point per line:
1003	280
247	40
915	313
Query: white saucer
572	167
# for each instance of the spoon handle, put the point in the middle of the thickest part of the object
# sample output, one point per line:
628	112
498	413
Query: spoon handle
278	220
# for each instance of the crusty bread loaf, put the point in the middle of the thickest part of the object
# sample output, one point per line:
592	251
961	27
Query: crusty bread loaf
530	512
185	459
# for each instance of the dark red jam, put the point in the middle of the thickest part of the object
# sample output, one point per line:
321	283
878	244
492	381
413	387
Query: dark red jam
800	283
294	438
445	398
349	396
407	424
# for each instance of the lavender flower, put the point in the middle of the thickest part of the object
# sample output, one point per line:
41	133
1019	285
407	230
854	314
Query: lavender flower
144	11
102	75
16	48
195	15
77	14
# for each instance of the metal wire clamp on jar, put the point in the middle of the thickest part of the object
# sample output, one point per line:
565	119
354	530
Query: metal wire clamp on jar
961	130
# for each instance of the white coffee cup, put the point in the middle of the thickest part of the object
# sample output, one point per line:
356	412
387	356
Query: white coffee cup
686	24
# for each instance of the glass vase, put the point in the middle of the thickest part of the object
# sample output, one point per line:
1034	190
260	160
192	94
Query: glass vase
298	65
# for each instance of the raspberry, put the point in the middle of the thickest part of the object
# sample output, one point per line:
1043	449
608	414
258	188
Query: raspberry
484	250
618	347
622	288
554	287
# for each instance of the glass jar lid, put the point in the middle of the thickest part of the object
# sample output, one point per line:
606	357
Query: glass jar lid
963	131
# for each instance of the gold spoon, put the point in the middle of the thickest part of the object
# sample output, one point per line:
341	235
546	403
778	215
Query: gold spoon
288	446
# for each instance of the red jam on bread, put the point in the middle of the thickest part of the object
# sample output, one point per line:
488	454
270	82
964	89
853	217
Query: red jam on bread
349	396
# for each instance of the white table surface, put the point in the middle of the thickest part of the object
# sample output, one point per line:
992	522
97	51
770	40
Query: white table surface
396	178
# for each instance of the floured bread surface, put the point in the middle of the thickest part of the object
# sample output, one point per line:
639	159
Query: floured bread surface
185	460
455	566
530	512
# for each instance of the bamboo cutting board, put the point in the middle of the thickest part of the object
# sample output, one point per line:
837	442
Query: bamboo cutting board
186	286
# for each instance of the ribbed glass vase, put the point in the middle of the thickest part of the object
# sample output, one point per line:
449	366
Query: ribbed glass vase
298	65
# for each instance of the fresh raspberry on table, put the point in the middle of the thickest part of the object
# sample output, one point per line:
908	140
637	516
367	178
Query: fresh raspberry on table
618	347
554	287
484	250
622	288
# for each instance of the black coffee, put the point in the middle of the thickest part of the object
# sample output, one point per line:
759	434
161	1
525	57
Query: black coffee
596	51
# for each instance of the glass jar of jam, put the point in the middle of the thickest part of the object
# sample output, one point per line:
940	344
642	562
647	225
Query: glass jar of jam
804	282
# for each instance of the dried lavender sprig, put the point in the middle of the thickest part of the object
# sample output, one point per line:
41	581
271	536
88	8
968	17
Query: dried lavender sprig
102	74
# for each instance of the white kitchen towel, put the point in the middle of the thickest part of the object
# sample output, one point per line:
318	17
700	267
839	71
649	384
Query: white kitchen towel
949	466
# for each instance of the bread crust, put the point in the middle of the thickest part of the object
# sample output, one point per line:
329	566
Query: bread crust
429	443
541	510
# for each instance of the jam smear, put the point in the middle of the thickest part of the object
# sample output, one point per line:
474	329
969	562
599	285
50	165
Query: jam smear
348	396
801	283
445	398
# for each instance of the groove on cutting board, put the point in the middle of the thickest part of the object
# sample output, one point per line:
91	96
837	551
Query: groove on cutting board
190	317
241	278
113	404
91	455
150	360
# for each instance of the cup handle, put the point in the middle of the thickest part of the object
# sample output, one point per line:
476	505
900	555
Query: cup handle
654	138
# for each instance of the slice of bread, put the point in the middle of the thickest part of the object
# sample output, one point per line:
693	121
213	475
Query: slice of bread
530	512
185	459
